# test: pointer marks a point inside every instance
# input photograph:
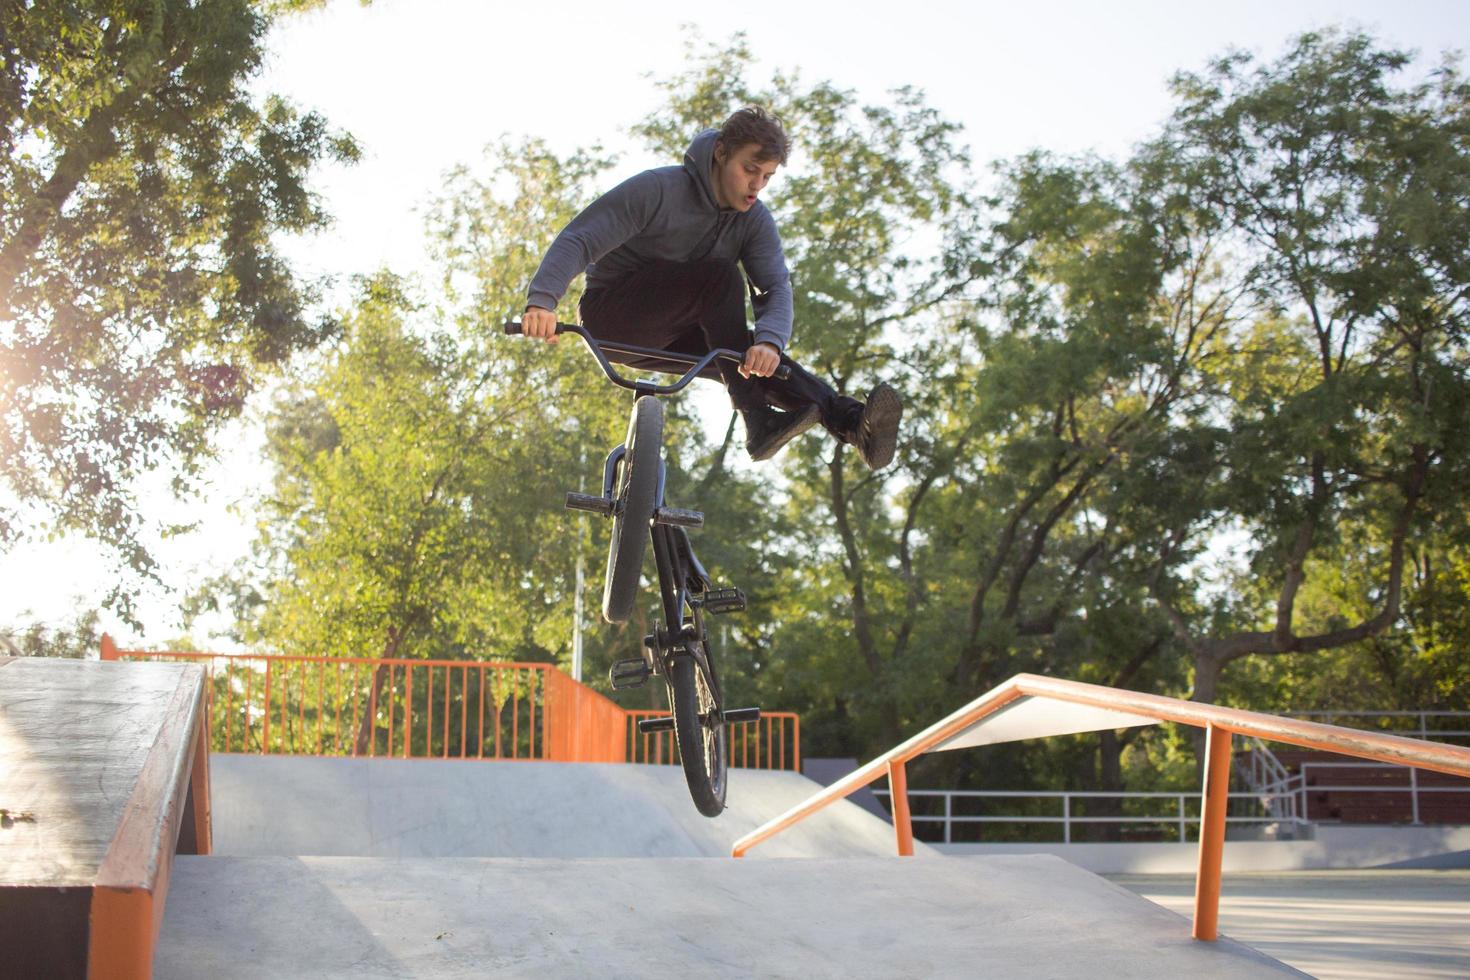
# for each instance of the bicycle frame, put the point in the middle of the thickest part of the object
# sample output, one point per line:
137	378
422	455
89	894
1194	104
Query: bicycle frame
677	649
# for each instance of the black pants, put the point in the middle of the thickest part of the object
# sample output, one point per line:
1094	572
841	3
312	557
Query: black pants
692	308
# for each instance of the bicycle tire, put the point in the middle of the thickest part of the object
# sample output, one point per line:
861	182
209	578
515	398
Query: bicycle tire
701	742
636	487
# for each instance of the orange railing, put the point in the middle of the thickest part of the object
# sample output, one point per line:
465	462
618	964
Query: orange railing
438	709
773	742
1028	706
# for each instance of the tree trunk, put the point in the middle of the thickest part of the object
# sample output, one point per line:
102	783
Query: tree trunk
1110	780
366	726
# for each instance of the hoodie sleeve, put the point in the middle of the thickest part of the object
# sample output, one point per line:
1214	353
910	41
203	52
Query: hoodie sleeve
765	264
602	226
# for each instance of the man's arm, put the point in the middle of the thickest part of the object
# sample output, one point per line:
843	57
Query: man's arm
602	226
765	264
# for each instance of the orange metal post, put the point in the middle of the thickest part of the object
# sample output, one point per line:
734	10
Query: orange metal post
903	825
321	704
1212	832
301	710
287	735
245	735
265	731
199	790
464	707
229	702
408	707
796	743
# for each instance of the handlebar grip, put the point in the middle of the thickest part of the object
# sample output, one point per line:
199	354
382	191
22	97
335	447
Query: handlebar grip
513	327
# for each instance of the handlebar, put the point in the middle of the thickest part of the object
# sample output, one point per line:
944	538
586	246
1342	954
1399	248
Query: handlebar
695	363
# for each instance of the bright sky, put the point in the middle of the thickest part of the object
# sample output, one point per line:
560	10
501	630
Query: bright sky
425	84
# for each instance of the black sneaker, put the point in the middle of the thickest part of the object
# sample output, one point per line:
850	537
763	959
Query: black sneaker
875	430
767	430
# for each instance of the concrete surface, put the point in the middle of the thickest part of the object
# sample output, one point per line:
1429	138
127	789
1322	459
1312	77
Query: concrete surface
1340	925
855	917
1333	847
410	808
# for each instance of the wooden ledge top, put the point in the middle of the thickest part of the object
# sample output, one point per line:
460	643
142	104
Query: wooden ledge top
94	760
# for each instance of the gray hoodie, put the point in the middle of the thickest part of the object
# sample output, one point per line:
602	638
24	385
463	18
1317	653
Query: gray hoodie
670	214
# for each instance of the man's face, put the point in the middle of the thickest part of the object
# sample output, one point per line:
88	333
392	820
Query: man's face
740	177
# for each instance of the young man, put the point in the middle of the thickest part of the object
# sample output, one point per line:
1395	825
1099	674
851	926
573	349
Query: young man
663	252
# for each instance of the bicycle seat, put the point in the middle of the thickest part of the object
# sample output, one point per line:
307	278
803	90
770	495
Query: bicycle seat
694	572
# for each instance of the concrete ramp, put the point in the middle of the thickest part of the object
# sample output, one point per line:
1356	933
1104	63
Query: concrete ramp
466	869
413	808
855	917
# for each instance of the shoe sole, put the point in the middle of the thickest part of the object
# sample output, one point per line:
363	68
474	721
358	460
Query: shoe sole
881	416
807	419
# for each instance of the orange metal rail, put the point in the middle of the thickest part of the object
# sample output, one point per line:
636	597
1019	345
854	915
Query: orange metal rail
1219	723
438	709
773	742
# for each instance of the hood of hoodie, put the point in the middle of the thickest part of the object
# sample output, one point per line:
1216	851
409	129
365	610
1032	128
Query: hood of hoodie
699	160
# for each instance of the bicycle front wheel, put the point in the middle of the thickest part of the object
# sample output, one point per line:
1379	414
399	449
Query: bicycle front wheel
636	488
700	730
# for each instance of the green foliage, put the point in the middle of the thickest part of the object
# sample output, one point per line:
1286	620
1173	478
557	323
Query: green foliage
1200	409
141	297
80	639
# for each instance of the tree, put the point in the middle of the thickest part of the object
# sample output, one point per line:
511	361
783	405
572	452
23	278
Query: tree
78	640
1348	409
141	297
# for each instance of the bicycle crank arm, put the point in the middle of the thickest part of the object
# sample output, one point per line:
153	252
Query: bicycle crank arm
736	716
648	726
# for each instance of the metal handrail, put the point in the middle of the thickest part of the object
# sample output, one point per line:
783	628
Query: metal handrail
1111	704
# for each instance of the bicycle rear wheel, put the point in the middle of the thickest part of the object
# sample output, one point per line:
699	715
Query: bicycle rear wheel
700	730
637	485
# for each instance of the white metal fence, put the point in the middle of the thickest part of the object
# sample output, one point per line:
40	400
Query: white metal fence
1273	794
1184	815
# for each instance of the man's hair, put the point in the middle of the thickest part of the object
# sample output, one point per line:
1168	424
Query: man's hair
753	124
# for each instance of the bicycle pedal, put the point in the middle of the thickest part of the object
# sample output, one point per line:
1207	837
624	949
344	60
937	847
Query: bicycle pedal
678	517
629	673
736	716
718	601
587	502
648	726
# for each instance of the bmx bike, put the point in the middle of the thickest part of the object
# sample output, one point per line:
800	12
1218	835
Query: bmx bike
633	499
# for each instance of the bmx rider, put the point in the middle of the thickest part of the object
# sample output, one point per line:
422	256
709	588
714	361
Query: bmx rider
664	252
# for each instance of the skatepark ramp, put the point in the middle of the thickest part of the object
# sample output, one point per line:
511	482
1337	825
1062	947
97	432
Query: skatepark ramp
430	808
449	868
